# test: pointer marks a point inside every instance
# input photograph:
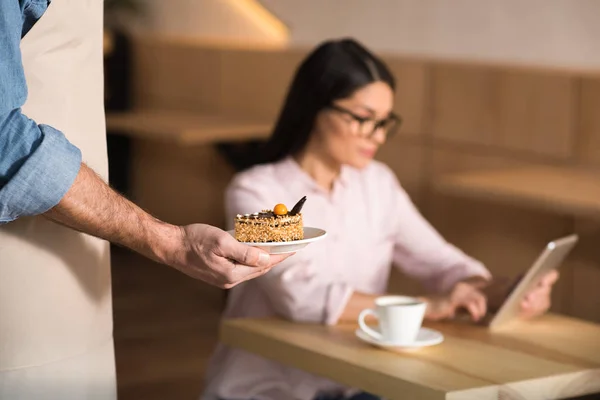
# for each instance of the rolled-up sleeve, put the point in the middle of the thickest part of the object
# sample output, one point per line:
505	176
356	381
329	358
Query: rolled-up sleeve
421	252
295	289
38	164
38	167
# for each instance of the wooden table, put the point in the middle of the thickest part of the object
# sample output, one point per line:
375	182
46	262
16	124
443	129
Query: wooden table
567	190
186	128
551	357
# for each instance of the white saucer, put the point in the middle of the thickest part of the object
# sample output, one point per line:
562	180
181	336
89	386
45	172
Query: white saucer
426	337
310	235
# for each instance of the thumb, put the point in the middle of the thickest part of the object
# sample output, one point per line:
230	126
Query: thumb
244	254
550	278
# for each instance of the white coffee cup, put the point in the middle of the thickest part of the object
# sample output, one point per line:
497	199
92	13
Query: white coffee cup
400	318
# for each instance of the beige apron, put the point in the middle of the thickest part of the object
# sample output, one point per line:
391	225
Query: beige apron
55	288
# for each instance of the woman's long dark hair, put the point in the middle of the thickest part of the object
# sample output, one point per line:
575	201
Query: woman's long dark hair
333	71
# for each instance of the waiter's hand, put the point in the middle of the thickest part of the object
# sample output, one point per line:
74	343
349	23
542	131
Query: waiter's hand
214	256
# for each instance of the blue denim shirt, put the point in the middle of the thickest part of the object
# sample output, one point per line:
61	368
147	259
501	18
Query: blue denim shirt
37	163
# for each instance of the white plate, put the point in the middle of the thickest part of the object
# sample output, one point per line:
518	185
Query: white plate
425	337
310	235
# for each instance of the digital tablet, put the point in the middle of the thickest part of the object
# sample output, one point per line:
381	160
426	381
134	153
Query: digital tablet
551	258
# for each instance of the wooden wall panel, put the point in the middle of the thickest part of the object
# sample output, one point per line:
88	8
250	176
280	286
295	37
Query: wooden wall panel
586	298
180	185
448	158
412	94
511	109
586	276
463	104
254	83
179	76
538	113
589	144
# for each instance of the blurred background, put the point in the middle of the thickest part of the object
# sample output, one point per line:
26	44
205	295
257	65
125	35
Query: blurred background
499	148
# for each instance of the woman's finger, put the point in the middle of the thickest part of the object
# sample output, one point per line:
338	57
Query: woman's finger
483	304
550	278
473	309
539	293
542	289
541	303
480	303
467	297
536	305
475	305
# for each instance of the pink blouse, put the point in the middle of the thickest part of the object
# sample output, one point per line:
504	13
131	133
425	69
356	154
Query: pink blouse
371	224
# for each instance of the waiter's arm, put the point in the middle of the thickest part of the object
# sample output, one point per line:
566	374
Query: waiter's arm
41	173
93	207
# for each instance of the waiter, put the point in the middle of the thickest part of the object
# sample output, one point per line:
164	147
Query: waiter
55	295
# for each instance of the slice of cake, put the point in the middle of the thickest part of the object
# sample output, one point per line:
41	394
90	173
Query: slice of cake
277	225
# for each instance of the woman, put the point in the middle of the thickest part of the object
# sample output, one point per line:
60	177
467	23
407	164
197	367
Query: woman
337	113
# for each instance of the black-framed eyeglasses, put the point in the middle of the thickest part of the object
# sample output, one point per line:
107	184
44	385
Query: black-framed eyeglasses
367	126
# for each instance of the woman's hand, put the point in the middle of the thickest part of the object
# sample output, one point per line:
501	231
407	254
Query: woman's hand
463	295
537	301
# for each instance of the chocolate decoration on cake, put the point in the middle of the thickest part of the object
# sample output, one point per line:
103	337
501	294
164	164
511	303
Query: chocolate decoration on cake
266	214
298	207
